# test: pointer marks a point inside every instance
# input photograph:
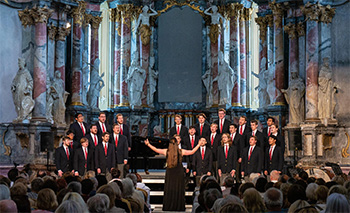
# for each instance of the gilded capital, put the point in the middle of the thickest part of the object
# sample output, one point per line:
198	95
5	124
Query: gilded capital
277	8
262	22
311	11
95	22
269	20
126	10
245	14
232	10
327	14
87	19
300	29
52	30
62	33
78	13
41	14
291	30
25	17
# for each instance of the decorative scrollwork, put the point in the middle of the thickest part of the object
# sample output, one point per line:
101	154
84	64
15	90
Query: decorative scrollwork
7	148
344	151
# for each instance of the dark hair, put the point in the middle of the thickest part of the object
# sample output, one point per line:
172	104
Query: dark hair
269	185
92	125
37	184
311	180
105	133
101	113
50	184
243	116
260	184
192	127
229	181
12	174
22	202
202	114
295	193
303	175
115	173
254	121
301	183
272	118
274	137
320	181
253	136
87	186
69	132
77	114
101	179
244	187
235	125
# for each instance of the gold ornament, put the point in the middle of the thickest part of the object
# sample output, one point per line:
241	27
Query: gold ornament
41	14
311	11
62	33
215	31
327	14
291	30
78	13
52	30
25	17
300	28
262	22
145	32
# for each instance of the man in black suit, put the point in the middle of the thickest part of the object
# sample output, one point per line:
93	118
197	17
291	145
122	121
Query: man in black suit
73	144
226	158
258	134
280	139
273	157
178	129
190	142
238	143
252	158
202	127
223	123
267	130
63	158
93	138
102	125
83	158
121	151
244	129
79	128
202	161
104	155
124	129
214	141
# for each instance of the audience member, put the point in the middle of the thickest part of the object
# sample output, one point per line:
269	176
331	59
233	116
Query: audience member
273	200
337	203
253	201
70	206
98	203
46	200
8	206
4	192
310	193
75	186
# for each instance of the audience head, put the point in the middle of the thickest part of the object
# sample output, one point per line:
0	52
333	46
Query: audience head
116	189
274	176
101	179
133	178
311	192
108	190
233	207
37	184
320	181
298	205
98	203
273	199
338	179
86	186
76	198
338	189
12	174
4	192
61	194
75	186
8	206
253	201
303	175
244	187
51	184
260	184
337	203
18	189
210	196
69	206
229	182
47	200
321	194
128	187
22	203
296	192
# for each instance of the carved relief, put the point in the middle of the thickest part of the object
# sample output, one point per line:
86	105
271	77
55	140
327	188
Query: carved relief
344	151
52	31
262	22
232	10
126	11
291	29
311	11
87	20
41	14
25	17
7	148
24	139
78	13
269	20
62	33
95	21
327	14
278	12
300	28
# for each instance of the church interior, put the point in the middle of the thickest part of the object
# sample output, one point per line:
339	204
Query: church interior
150	60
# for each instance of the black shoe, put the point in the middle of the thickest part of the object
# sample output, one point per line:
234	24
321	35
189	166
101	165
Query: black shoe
147	172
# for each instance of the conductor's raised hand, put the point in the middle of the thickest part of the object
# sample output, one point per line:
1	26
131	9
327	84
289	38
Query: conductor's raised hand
146	142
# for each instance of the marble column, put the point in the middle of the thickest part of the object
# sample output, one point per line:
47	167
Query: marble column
270	41
51	30
233	13
77	55
293	66
60	54
214	50
40	16
262	22
125	51
247	17
243	59
311	11
85	58
278	14
94	48
326	17
300	27
116	19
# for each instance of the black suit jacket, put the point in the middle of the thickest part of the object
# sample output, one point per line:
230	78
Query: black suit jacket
61	161
246	132
202	166
121	150
216	144
261	139
79	161
127	134
225	127
91	141
205	130
187	145
99	129
227	164
280	142
78	132
183	132
255	164
101	160
238	142
276	162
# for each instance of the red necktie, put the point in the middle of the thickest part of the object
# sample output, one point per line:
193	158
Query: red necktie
269	132
212	139
67	153
201	130
192	142
232	137
106	149
116	141
253	133
121	129
270	153
202	153
71	145
82	129
241	130
221	126
226	151
85	156
178	130
95	140
103	127
250	152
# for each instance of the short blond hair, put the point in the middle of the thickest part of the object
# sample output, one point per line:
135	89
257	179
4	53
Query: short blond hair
178	116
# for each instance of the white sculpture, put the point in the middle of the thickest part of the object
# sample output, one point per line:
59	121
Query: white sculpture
144	16
271	87
152	81
295	98
96	84
262	87
215	16
226	80
326	91
59	99
22	93
49	101
85	72
135	78
208	83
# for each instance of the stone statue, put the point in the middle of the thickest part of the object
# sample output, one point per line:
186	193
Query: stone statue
215	28
208	83
85	72
96	84
59	99
22	93
295	98
262	87
49	101
226	80
271	87
326	91
135	78
152	81
145	29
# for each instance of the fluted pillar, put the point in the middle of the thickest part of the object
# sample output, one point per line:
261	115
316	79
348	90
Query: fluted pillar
243	58
270	41
125	51
262	22
94	48
51	43
40	16
77	75
233	14
278	14
116	27
60	51
293	65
